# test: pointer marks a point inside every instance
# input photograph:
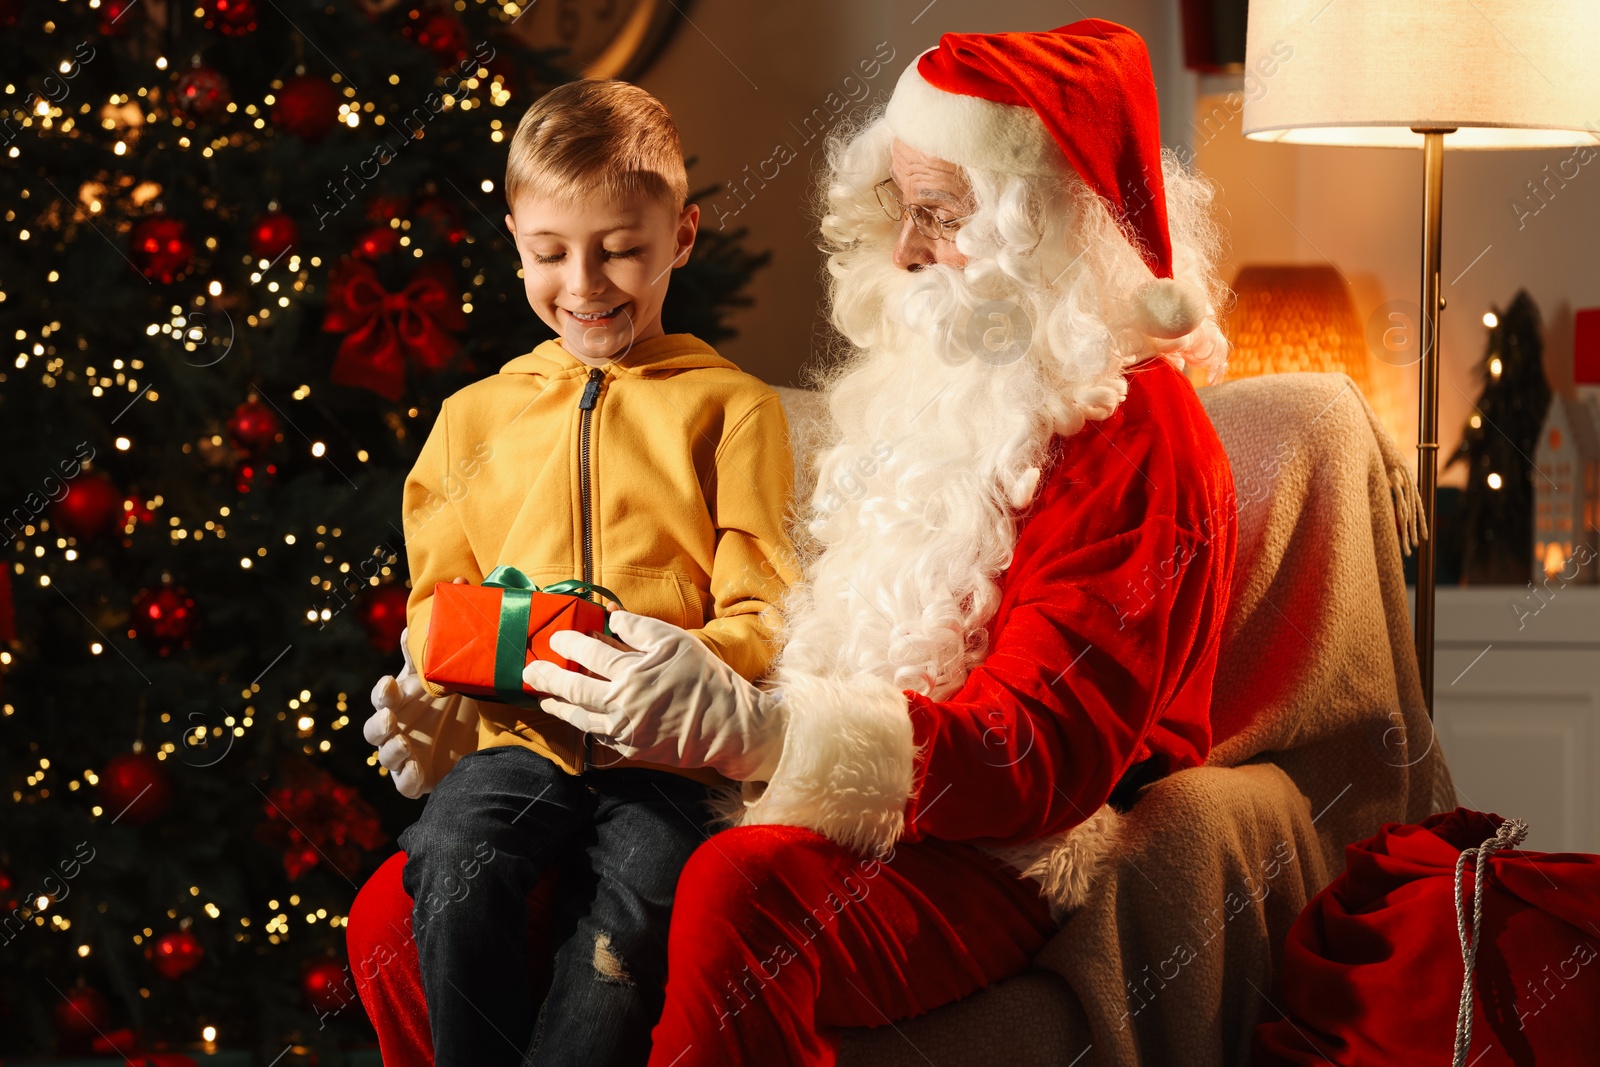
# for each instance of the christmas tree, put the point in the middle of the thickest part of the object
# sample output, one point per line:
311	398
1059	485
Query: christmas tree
249	248
1493	523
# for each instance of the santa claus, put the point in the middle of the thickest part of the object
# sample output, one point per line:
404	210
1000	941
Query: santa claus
1016	562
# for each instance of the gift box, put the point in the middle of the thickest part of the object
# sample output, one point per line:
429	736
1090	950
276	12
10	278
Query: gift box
480	637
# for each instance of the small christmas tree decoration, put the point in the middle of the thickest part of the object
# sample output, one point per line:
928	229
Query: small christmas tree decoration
308	107
326	985
119	17
272	234
80	1015
90	507
161	248
202	93
376	243
231	17
253	427
441	33
134	788
251	474
383	615
162	618
174	954
1493	519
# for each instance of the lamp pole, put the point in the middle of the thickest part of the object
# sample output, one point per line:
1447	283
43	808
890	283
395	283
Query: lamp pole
1428	396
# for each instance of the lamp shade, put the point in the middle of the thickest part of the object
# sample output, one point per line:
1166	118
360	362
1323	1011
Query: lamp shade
1502	73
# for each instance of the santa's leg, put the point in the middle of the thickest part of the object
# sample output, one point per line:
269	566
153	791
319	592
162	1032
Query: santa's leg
383	961
779	935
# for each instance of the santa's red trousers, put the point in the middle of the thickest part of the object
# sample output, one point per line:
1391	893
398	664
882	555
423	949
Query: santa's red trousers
778	937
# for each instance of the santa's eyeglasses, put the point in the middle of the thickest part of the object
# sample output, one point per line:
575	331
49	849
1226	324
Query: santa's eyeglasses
929	223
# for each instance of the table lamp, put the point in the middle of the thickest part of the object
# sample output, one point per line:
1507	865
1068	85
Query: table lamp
1429	74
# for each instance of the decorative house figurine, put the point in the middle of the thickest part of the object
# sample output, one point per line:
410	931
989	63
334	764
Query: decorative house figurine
1566	488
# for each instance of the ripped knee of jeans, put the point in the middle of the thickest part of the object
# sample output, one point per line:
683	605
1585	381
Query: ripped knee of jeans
607	963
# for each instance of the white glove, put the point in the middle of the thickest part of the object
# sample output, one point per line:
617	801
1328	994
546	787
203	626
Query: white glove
667	700
419	737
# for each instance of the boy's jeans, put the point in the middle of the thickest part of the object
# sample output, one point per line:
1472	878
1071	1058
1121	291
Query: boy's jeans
491	827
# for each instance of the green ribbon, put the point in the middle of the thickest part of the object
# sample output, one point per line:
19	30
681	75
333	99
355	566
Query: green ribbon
516	611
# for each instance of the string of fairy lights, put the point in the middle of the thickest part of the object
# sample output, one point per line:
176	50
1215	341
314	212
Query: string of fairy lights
60	360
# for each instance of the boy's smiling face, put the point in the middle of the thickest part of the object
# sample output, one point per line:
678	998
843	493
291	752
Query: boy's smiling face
596	271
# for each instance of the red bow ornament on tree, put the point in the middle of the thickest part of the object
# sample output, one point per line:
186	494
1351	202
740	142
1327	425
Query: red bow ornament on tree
382	329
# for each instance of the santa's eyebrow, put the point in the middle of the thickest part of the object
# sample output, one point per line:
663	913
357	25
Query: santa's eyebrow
939	194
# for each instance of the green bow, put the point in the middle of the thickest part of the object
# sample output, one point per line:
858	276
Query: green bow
516	610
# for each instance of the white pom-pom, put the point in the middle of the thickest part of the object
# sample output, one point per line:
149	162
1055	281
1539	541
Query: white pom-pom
1168	308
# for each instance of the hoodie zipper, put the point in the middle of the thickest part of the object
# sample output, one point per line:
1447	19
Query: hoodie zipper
586	405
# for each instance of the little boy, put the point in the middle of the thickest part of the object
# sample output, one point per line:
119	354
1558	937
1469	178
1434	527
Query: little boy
634	459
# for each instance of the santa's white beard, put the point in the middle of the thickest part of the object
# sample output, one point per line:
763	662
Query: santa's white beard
940	431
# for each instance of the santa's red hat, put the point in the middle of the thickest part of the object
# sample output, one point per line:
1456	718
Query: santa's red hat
1079	97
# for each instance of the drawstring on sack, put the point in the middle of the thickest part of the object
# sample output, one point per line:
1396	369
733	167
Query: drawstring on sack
1509	835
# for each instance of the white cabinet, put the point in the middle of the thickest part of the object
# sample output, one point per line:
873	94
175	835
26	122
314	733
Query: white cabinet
1517	707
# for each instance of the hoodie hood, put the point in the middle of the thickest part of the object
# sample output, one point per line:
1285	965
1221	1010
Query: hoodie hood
657	356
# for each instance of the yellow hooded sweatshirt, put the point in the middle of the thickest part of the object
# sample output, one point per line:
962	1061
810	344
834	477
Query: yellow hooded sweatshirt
664	477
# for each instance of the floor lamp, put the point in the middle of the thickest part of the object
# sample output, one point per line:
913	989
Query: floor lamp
1467	74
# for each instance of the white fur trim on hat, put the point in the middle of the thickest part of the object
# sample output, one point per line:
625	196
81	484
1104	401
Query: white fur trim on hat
970	131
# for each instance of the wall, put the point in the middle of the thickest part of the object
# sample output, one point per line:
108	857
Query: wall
741	77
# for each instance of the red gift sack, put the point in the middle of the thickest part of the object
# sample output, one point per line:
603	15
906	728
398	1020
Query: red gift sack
1386	961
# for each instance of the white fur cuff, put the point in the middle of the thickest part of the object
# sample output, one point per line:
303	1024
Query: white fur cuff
846	769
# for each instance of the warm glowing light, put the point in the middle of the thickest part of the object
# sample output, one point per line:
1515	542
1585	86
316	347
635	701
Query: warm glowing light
1494	480
488	186
123	444
1495	366
1490	319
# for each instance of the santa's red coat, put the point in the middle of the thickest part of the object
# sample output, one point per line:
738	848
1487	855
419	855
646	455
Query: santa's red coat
1105	641
1101	655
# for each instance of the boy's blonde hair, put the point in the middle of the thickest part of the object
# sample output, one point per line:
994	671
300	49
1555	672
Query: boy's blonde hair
597	138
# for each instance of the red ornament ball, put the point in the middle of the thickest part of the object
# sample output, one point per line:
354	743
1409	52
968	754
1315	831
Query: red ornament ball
174	954
441	33
162	618
444	218
231	17
135	511
81	1014
91	505
326	984
308	107
376	242
134	788
383	208
272	234
253	473
253	427
161	248
202	92
118	16
383	615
